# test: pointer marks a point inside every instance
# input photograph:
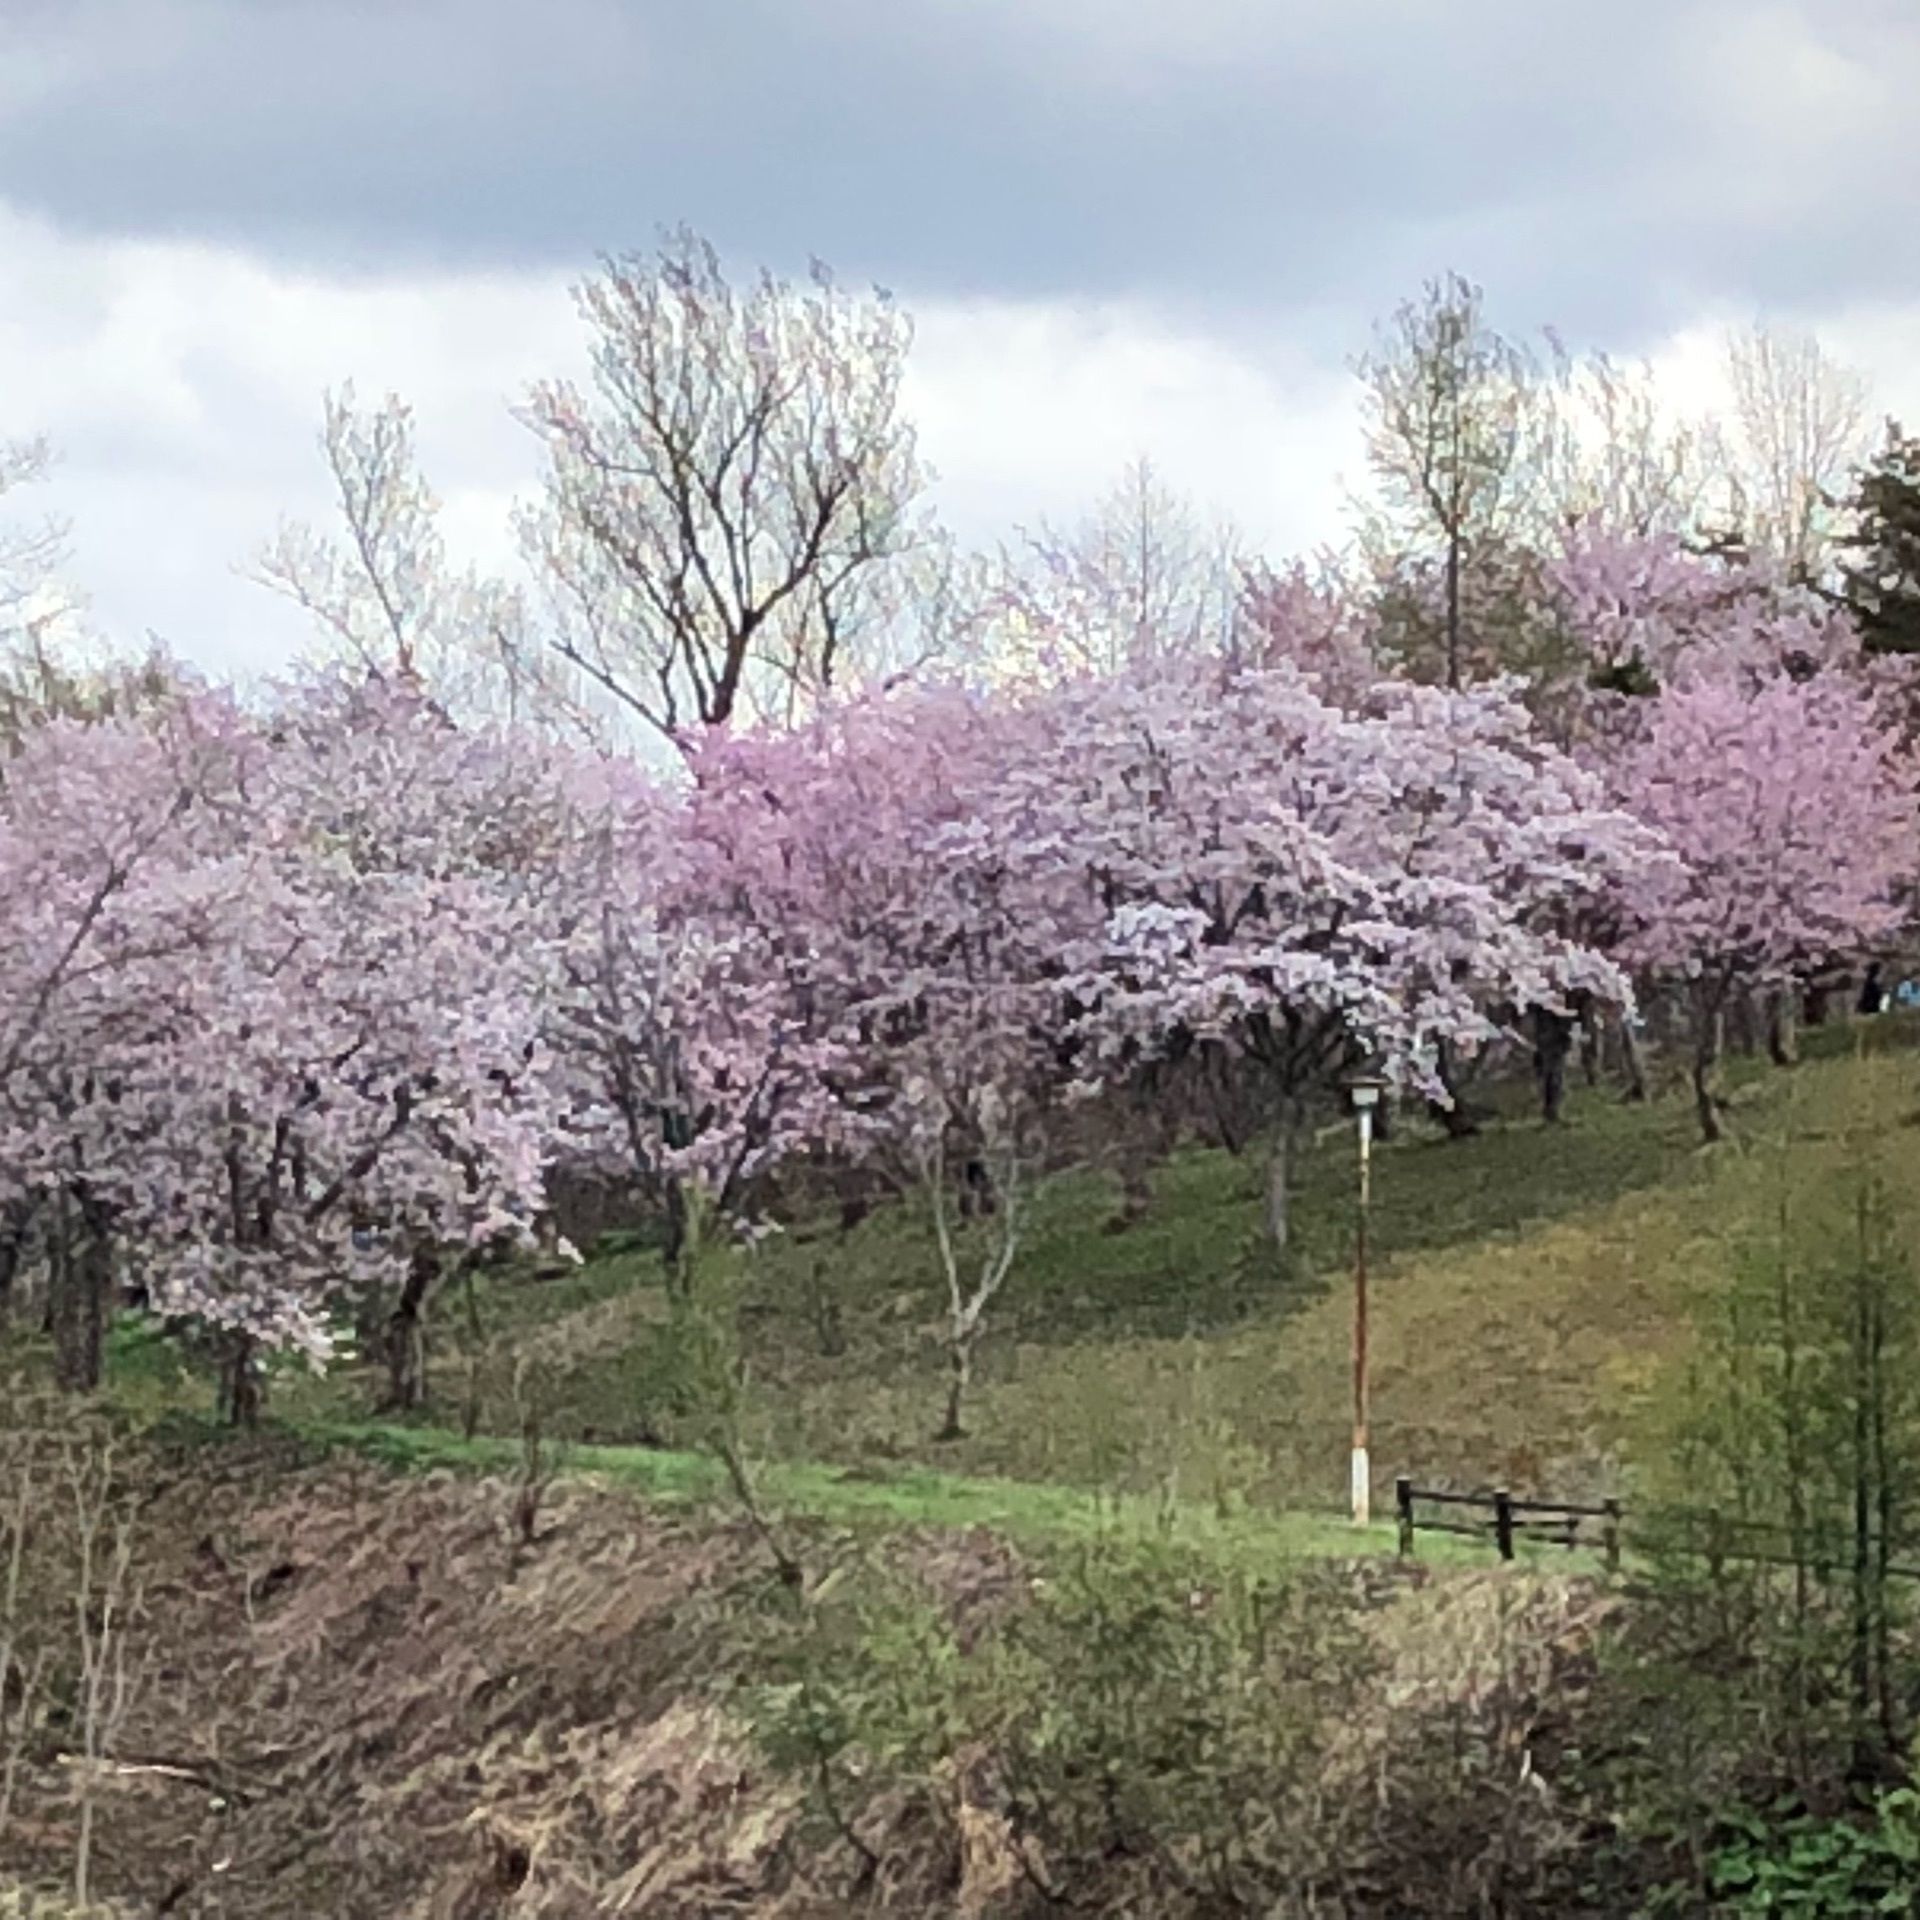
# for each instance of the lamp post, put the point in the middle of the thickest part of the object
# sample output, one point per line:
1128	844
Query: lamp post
1365	1091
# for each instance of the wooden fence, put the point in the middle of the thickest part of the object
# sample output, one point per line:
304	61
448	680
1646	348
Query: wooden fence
1713	1537
1561	1523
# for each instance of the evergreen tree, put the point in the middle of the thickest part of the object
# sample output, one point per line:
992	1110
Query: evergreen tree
1881	586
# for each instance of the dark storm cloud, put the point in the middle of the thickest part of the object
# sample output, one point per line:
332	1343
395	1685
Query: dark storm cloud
1610	167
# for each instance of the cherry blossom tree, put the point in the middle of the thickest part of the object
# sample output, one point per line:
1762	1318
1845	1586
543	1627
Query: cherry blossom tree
97	822
1309	888
1791	809
690	1064
1313	620
281	1032
925	902
1646	614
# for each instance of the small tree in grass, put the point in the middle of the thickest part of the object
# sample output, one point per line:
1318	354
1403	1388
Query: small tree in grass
991	1131
1767	1659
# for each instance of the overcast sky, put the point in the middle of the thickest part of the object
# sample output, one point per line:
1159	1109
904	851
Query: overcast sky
1122	225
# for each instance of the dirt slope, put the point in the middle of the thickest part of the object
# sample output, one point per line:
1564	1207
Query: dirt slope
358	1697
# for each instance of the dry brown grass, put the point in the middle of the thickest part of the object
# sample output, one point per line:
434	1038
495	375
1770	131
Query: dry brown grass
367	1702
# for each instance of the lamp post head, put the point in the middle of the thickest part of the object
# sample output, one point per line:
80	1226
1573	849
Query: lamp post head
1365	1089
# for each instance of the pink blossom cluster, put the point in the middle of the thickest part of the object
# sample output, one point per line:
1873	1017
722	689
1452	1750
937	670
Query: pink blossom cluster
1767	752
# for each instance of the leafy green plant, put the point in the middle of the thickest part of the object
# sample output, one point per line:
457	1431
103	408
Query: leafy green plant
1122	1712
1789	1861
1181	1722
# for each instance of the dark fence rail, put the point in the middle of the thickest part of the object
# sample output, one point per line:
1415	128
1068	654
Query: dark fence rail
1600	1526
1562	1523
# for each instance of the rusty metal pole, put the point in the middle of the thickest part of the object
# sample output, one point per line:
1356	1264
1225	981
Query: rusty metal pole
1362	1470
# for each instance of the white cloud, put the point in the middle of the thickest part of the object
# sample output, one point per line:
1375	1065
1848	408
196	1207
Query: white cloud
1029	410
181	386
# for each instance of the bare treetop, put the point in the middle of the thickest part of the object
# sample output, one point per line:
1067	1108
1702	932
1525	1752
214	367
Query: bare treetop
1610	450
387	598
1449	408
714	505
28	554
1800	426
1141	577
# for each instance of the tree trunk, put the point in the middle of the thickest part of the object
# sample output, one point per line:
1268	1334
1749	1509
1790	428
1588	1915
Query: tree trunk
241	1391
959	1379
15	1228
1286	1148
673	1249
476	1343
822	1305
1552	1043
1783	1041
1706	1056
80	1276
1136	1192
1592	1042
1146	1137
1633	1066
1452	1113
1453	611
1742	1030
978	1200
407	1335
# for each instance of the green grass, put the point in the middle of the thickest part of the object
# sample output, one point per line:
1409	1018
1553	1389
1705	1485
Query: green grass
1042	1516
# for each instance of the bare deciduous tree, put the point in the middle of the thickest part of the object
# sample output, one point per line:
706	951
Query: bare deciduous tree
41	670
713	508
386	597
1799	428
930	603
1140	577
1609	449
28	554
1450	409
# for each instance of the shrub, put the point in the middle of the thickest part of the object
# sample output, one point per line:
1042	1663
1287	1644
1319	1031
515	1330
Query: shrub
1124	1721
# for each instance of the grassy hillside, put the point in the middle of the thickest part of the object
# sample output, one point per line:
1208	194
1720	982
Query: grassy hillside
1530	1282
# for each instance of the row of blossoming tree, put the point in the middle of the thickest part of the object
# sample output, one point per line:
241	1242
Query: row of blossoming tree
304	1003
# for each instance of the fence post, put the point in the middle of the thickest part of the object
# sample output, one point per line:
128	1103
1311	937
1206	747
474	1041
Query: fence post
1503	1522
1610	1534
1403	1500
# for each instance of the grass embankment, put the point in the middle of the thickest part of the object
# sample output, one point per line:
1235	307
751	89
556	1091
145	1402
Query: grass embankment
1030	1514
1532	1286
